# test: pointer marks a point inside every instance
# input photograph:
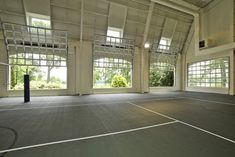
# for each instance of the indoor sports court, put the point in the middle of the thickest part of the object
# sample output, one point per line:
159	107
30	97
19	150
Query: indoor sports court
117	78
179	124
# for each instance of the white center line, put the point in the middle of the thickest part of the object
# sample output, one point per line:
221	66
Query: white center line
195	127
87	137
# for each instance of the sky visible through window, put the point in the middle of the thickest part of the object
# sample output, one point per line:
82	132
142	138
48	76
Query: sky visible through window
164	44
114	32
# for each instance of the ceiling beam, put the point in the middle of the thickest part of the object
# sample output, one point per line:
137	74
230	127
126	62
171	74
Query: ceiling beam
148	22
82	17
186	4
188	11
177	7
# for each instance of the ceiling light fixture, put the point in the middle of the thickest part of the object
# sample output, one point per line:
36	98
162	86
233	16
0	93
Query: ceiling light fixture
146	45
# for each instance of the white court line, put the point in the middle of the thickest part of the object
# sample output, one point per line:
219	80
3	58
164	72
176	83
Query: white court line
79	105
195	127
87	137
217	102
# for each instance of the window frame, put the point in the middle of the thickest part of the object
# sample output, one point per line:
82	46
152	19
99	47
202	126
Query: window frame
166	47
198	66
163	65
114	39
33	89
116	64
30	16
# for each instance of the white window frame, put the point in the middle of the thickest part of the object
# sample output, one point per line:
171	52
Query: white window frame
29	17
107	63
162	47
112	38
196	76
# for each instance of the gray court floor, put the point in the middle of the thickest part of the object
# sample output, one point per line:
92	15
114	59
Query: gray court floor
179	124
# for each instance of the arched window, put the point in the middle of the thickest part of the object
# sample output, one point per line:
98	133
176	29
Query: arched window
161	74
112	73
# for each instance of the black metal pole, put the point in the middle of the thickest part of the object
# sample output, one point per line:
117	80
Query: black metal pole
26	88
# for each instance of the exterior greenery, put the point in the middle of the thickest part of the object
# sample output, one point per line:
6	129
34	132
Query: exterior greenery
119	81
40	78
107	71
161	75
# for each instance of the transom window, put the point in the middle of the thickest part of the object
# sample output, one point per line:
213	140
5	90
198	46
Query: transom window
211	73
112	73
161	74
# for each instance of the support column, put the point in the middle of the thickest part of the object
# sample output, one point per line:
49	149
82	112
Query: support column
79	59
143	60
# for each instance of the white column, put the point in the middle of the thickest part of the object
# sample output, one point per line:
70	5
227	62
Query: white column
143	59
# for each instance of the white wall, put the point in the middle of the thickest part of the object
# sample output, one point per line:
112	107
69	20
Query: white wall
221	32
216	22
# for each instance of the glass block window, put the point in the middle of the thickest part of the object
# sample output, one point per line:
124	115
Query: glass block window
210	73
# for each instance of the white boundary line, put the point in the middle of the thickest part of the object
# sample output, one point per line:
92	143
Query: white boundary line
195	127
217	102
87	137
79	105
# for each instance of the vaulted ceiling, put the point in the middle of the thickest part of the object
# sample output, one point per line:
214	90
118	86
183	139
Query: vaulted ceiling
66	15
199	3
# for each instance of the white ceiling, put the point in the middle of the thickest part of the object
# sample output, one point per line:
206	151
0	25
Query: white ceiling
199	3
66	15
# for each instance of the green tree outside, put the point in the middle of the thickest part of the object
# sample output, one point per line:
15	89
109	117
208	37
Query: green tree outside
119	81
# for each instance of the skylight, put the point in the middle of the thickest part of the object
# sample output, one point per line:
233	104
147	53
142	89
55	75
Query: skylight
37	22
164	44
114	35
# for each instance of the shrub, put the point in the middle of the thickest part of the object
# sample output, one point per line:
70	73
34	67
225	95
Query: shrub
119	81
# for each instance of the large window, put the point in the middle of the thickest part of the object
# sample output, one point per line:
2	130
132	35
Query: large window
39	54
211	73
161	74
112	73
41	77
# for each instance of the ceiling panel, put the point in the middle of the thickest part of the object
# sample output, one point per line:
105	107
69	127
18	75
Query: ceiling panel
66	15
199	3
